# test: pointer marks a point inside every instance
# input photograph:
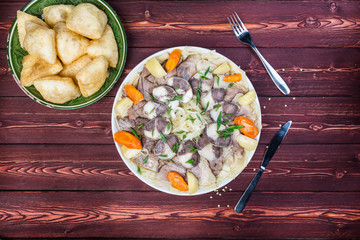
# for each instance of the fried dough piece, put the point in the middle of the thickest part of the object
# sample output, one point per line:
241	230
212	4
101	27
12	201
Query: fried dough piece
22	18
40	41
72	69
35	67
57	13
105	46
92	76
87	20
69	45
57	89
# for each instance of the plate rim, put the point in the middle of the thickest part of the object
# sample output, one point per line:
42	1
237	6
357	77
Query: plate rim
127	162
54	105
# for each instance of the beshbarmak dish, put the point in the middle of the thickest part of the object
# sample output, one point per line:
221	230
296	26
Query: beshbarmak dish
186	120
69	54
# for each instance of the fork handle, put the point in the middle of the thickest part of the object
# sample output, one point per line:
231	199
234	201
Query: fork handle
279	82
249	190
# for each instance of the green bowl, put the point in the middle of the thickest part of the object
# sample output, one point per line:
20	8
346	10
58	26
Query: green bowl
15	53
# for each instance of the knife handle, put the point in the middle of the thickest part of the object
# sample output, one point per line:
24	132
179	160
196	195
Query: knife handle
246	195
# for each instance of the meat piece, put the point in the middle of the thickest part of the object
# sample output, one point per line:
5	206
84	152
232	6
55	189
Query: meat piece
154	127
171	167
212	135
164	93
154	109
207	102
137	110
152	163
218	94
202	142
126	123
205	85
145	86
203	173
165	150
231	93
182	87
214	155
187	69
230	110
148	143
203	65
157	81
187	154
171	74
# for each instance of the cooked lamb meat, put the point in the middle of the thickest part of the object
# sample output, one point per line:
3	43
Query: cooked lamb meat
218	94
231	93
137	110
148	143
154	127
205	85
171	167
152	163
187	154
164	93
182	87
230	110
212	135
154	109
166	150
145	86
203	173
126	123
187	69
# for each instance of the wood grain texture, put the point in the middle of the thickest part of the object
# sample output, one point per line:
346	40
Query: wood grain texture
158	215
310	24
307	71
316	120
81	167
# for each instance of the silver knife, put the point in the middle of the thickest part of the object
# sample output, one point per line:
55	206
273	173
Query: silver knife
273	146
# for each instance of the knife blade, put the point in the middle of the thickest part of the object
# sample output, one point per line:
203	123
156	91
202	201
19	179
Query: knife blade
270	151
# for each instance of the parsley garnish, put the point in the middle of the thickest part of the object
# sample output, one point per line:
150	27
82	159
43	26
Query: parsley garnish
145	159
207	105
136	135
140	126
218	121
190	118
190	161
192	149
162	137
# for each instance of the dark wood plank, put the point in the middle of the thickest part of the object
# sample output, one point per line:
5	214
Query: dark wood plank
308	71
158	215
304	24
316	120
93	167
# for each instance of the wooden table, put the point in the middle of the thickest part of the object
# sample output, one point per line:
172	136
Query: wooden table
61	176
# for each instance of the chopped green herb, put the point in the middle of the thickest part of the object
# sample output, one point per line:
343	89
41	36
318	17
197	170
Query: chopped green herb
169	110
176	147
207	70
217	106
184	136
168	126
138	170
177	97
177	88
167	102
226	121
207	105
163	155
152	132
228	131
230	85
189	109
140	126
162	137
192	149
172	161
199	118
153	98
152	110
215	164
218	121
217	80
198	93
180	132
145	159
136	135
190	118
190	161
226	115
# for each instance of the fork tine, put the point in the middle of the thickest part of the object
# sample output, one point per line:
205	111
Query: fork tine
236	24
235	30
242	24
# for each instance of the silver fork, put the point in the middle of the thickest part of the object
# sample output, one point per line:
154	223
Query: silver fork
244	36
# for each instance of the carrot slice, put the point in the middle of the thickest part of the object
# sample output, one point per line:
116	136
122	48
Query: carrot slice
177	181
127	139
232	78
134	94
173	60
249	128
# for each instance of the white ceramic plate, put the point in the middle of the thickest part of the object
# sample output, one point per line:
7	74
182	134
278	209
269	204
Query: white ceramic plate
132	166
